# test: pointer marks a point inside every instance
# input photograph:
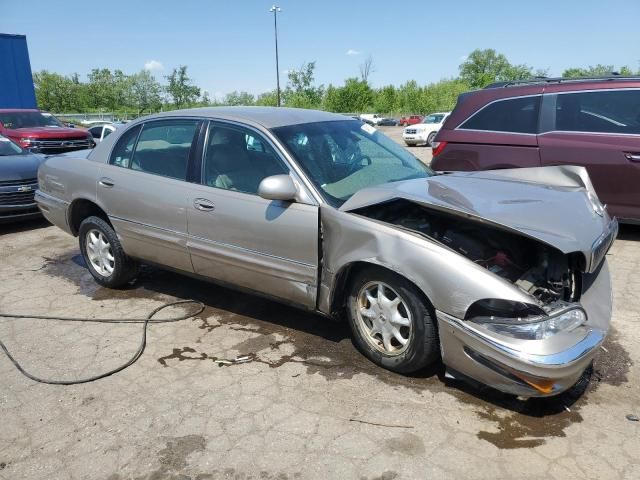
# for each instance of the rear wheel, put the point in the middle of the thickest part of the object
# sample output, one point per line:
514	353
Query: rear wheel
104	255
391	321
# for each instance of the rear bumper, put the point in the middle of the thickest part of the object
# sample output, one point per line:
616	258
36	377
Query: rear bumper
521	367
54	210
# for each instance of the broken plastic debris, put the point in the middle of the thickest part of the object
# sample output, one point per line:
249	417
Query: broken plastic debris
633	418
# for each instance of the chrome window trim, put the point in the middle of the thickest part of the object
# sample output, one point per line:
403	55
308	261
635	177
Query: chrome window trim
277	147
497	100
590	133
584	132
495	131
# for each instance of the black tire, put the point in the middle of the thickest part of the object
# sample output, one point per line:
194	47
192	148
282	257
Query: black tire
423	347
430	138
124	268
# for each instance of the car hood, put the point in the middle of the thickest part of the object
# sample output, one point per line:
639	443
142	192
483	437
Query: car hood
19	167
549	204
47	132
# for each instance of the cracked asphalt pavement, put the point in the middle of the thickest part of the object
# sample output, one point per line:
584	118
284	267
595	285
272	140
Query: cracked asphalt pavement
302	402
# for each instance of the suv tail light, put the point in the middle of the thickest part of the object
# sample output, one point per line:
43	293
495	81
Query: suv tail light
437	148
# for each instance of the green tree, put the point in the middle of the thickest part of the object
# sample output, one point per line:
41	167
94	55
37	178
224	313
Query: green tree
145	92
385	99
267	99
301	91
483	67
238	98
355	96
595	71
180	88
57	93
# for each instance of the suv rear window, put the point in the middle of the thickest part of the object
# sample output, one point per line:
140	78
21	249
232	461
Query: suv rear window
513	115
602	111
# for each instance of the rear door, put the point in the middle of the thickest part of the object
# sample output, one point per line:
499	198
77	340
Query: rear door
145	191
599	130
502	134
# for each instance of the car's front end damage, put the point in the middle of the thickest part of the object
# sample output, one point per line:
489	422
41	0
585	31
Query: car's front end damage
512	262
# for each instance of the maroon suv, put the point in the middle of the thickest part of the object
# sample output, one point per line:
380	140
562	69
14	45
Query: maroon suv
590	122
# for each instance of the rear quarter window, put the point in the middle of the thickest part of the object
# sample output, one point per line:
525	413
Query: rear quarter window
513	115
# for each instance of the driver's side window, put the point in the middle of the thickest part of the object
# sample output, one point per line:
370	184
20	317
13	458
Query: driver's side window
238	159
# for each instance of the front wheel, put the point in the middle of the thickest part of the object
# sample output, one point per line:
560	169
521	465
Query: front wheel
104	255
431	138
391	321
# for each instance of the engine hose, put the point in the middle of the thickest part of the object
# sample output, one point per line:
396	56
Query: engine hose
143	342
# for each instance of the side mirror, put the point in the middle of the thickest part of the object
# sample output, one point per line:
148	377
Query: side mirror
278	187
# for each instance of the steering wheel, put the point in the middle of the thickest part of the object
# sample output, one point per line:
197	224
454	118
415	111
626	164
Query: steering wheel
361	161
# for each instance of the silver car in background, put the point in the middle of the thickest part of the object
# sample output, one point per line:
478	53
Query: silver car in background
500	274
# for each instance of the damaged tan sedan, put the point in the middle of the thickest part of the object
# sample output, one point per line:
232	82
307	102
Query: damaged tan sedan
500	274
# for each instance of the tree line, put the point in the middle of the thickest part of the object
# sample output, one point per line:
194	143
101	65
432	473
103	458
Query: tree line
141	93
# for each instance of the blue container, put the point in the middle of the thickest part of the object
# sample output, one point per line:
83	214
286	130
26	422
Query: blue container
16	82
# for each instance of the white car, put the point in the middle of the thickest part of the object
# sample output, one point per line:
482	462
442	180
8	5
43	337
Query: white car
424	133
371	118
100	132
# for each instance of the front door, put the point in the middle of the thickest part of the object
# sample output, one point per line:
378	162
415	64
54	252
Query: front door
599	130
236	236
145	191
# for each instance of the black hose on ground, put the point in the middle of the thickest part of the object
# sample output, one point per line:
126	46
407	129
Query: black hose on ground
143	342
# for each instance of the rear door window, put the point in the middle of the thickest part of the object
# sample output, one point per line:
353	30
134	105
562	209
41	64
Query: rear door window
513	115
602	111
163	148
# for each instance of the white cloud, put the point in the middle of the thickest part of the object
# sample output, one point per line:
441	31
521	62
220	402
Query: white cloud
153	65
351	51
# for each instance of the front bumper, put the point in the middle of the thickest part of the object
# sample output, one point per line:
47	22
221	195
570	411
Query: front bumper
530	368
19	213
415	139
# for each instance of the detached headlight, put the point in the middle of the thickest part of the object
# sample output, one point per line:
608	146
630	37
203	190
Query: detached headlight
538	329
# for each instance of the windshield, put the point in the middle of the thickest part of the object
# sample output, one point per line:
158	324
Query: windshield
433	118
7	147
343	157
28	119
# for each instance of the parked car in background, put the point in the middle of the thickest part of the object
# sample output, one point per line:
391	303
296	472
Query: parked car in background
328	214
424	133
388	122
100	132
410	120
371	118
591	122
42	132
18	182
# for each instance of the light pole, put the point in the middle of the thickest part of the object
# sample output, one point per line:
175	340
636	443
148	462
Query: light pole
275	9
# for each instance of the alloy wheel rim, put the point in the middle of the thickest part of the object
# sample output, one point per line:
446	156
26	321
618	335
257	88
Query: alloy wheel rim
99	253
384	318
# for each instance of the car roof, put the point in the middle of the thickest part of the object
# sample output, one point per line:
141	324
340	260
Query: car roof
268	117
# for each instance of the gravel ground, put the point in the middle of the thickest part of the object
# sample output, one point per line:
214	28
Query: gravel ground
305	405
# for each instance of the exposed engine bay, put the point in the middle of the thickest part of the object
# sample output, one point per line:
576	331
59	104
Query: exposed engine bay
538	269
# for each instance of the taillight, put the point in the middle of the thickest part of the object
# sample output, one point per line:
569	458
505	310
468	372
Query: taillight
437	148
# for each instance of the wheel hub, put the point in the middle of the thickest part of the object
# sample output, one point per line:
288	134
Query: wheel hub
384	318
99	253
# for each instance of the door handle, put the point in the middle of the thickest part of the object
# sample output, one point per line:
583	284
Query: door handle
632	156
203	204
106	182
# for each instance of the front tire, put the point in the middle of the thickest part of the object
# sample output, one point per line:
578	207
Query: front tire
103	253
391	321
431	138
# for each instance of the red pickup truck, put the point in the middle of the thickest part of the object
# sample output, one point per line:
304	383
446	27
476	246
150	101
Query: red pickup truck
42	132
410	120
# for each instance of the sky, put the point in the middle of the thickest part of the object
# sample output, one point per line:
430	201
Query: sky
229	45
